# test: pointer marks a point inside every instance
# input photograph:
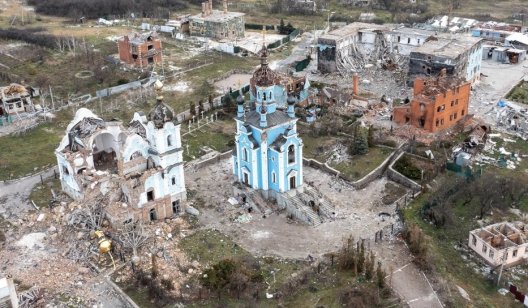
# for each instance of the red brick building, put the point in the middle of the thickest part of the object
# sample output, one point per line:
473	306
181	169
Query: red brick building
140	50
438	103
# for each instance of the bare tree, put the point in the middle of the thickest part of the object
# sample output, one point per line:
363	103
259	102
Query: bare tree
89	217
134	236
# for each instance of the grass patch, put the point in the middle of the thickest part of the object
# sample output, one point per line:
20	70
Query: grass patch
519	93
318	148
361	165
217	136
25	154
41	194
210	246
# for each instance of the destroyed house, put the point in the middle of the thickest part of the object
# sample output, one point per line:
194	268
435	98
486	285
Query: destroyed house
140	50
217	24
16	100
404	40
142	163
438	103
501	244
460	57
340	48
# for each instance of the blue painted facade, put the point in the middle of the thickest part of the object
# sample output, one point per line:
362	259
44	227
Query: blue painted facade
268	149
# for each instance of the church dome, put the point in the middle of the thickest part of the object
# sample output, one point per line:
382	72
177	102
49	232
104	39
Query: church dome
290	100
240	100
161	114
264	76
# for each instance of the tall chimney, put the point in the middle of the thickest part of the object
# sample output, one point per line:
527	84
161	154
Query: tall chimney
355	84
225	6
210	7
204	9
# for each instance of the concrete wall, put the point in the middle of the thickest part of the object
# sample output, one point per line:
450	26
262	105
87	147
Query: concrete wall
361	183
400	178
326	56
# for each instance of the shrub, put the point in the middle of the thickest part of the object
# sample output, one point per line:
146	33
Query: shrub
405	166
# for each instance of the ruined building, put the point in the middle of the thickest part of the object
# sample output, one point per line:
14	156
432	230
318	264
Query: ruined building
268	154
353	46
460	57
140	50
438	103
142	164
501	244
217	24
15	100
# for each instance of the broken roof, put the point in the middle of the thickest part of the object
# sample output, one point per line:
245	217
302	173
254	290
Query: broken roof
450	48
140	38
352	29
518	37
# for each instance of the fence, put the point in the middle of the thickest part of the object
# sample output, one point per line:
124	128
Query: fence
124	87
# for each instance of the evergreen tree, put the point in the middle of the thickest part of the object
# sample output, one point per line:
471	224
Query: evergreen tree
282	26
361	257
369	267
360	142
200	107
192	108
370	136
380	276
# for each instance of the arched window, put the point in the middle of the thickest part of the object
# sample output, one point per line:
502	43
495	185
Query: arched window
264	96
169	140
245	154
291	154
273	177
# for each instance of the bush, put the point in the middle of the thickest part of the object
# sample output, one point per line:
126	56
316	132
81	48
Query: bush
405	166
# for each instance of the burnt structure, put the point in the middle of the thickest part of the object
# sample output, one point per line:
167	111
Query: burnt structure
140	50
438	103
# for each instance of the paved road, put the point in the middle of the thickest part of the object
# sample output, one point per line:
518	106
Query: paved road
407	280
14	195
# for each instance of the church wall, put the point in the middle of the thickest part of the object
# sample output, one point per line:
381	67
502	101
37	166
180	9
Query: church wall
273	165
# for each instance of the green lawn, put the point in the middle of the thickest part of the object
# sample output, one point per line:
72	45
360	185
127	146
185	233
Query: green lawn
41	194
217	136
361	165
28	153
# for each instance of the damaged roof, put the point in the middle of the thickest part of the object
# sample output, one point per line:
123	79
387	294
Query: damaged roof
450	48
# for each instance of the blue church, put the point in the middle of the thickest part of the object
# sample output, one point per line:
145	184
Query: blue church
268	153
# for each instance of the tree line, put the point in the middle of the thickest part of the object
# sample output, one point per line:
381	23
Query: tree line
105	8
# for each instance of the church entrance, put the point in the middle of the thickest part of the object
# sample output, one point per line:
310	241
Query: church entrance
292	182
246	178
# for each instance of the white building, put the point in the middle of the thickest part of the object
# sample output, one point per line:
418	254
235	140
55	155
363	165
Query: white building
8	296
143	160
502	243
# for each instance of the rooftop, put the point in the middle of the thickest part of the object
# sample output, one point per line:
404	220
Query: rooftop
352	29
273	119
217	16
448	47
413	31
